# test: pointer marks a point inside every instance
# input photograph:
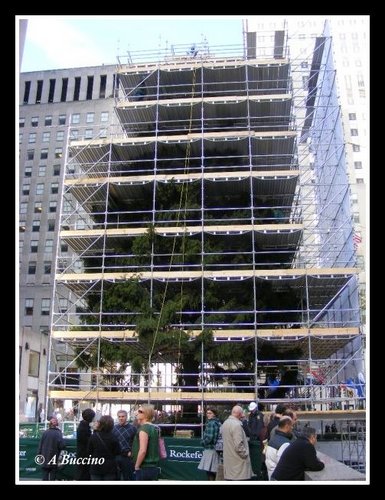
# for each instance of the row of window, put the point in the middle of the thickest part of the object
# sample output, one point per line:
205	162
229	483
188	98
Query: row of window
42	172
36	226
46	137
47	266
38	207
45	306
40	188
75	118
44	153
64	89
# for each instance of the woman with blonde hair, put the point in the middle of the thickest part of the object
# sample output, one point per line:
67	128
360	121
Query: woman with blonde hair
145	448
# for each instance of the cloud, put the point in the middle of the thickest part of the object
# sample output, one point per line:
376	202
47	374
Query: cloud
63	45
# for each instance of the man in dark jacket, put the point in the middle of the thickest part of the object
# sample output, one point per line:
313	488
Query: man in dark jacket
299	456
51	444
83	435
256	434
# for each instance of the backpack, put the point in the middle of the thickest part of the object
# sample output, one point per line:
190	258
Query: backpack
219	442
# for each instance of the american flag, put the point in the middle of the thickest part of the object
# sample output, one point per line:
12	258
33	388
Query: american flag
356	239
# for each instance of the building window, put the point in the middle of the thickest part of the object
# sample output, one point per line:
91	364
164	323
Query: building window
88	133
64	247
27	89
51	225
32	138
104	116
358	164
58	152
90	117
39	189
20	138
33	365
56	170
353	132
46	136
51	92
25	189
28	307
47	267
42	169
74	134
66	206
34	245
63	305
48	121
23	208
356	217
359	180
90	86
52	206
37	208
75	118
39	91
45	307
361	93
30	154
21	122
54	188
356	148
103	133
62	120
103	84
43	154
32	268
48	246
28	172
35	226
64	87
77	88
352	116
60	135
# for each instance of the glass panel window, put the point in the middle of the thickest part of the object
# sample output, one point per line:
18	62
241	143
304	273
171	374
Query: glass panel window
51	225
48	121
62	120
42	169
28	307
75	118
25	189
34	121
52	206
58	152
47	267
56	170
54	188
30	154
37	207
88	133
90	117
21	122
39	189
74	134
45	307
20	138
44	154
34	245
23	208
104	116
32	268
48	246
32	138
60	135
46	136
35	226
34	363
28	172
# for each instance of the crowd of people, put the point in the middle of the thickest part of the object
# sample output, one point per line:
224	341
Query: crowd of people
253	447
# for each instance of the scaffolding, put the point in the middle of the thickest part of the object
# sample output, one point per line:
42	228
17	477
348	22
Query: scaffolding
211	253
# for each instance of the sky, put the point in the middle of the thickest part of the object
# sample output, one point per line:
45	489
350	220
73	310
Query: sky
57	42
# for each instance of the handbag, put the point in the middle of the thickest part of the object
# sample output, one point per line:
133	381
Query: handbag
162	448
161	445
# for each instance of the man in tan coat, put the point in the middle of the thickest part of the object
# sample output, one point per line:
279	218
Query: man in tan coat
236	457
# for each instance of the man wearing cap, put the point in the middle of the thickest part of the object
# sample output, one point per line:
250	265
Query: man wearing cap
257	432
